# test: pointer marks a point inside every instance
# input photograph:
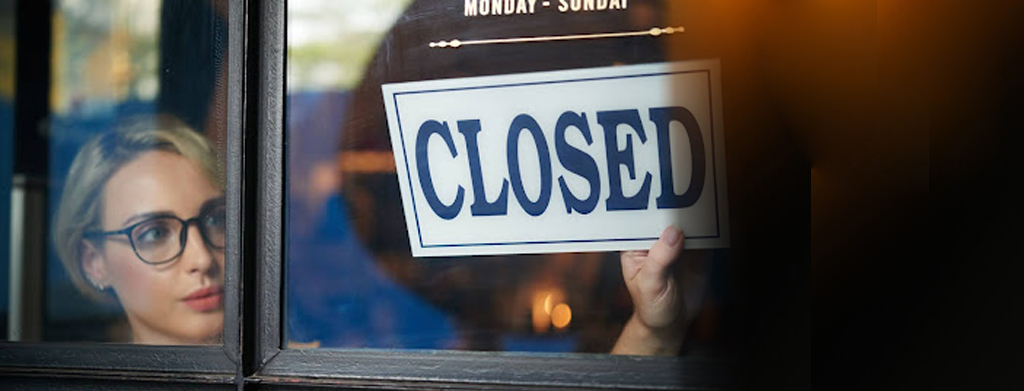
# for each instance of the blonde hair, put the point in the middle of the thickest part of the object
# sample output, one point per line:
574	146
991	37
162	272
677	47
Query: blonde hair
81	204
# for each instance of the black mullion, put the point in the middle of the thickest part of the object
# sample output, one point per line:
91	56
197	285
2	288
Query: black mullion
33	32
267	27
234	191
251	312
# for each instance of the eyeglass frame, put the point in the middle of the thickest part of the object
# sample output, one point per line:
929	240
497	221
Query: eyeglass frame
182	235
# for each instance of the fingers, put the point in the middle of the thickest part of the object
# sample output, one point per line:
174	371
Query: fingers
653	262
632	261
667	248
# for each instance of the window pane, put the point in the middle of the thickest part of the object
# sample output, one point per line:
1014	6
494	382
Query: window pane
351	278
131	130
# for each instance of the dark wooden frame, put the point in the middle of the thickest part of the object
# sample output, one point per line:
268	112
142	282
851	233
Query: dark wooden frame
362	368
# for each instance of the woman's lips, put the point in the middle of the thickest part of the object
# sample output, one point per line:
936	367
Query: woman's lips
205	299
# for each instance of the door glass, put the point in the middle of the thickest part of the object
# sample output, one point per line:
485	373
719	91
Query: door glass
117	188
351	278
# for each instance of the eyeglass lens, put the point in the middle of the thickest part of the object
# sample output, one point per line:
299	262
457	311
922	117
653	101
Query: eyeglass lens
160	239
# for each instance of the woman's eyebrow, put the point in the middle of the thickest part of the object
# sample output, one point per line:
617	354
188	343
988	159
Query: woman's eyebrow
209	204
212	203
145	216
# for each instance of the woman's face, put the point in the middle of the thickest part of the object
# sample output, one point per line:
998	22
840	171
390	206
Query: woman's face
181	301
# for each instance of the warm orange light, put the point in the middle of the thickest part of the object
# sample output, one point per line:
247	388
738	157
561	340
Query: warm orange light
539	315
545	303
561	315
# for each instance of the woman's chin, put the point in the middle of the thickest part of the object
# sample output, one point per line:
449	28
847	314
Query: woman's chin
209	334
207	330
204	338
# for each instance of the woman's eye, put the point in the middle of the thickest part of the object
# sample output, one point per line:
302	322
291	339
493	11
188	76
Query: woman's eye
215	220
153	233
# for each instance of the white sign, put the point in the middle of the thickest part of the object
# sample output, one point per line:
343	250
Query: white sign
582	160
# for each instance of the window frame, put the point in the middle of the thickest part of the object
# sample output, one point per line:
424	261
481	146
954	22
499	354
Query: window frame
48	364
277	366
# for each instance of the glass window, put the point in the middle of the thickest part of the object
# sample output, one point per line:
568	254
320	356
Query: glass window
351	279
117	193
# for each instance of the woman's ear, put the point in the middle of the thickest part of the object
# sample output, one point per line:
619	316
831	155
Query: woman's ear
94	266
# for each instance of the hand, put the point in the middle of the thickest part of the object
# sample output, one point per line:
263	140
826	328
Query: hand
662	309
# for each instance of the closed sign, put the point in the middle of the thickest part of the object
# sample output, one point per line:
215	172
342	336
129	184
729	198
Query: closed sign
567	161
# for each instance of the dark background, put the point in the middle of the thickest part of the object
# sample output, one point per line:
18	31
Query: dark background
915	266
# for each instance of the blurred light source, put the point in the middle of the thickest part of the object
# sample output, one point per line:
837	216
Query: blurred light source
546	303
561	315
541	312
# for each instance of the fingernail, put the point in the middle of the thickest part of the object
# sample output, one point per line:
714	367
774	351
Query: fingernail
671	235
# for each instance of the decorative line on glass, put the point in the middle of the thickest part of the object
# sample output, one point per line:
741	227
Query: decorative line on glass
654	32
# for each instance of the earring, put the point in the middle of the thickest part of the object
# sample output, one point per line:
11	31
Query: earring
98	286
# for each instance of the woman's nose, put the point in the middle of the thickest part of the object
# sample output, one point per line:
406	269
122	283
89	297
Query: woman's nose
196	256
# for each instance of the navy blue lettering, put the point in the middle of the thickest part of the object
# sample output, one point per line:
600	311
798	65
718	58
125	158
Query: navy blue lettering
519	124
611	120
662	118
480	207
429	128
578	162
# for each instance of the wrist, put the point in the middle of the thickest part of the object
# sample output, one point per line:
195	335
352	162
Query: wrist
638	338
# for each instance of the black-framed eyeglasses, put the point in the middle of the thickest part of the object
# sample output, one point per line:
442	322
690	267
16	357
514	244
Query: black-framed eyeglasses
153	239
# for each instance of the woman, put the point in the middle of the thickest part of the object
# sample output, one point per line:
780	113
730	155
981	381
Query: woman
142	219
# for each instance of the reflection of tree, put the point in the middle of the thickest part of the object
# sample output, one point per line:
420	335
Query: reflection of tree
331	41
105	53
329	65
7	51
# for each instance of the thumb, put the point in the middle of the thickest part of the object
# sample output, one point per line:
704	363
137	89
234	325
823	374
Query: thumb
666	250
